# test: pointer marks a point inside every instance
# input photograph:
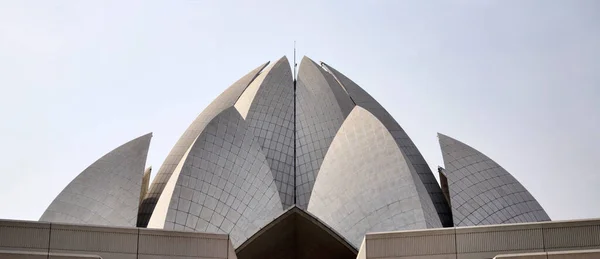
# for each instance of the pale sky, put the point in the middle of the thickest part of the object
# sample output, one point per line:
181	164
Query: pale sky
518	80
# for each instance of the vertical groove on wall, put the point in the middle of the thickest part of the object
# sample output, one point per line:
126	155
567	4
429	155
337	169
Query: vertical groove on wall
49	238
544	239
137	251
455	244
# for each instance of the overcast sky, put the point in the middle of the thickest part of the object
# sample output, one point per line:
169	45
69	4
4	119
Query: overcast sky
517	80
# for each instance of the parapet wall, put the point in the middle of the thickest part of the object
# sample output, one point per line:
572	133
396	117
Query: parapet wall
484	242
30	239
